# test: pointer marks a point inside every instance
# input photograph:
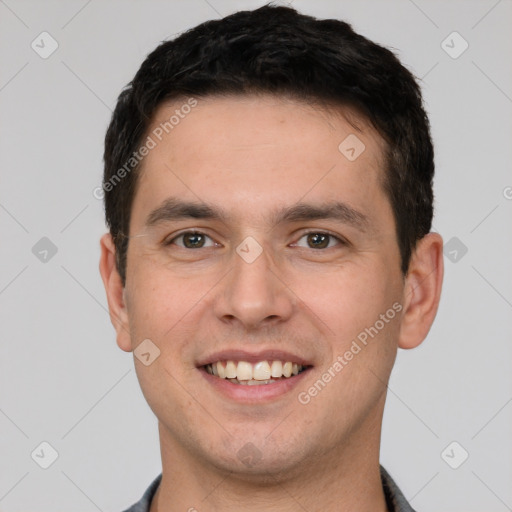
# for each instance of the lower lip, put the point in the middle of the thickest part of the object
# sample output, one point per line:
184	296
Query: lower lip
253	394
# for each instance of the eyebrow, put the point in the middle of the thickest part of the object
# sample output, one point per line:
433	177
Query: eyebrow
337	210
176	209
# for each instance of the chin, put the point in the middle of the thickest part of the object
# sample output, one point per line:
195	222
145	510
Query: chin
257	458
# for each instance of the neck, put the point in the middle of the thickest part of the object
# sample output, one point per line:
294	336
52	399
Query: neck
340	480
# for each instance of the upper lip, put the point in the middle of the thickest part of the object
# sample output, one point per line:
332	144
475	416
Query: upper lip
252	357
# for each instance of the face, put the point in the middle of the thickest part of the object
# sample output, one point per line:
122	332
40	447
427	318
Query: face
256	242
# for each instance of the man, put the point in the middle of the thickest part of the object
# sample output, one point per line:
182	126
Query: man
268	189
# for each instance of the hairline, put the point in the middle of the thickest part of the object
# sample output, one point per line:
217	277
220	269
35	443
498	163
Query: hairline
353	115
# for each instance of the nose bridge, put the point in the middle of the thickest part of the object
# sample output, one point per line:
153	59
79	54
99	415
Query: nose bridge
253	293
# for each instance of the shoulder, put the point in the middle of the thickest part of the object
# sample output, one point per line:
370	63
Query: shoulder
144	503
395	500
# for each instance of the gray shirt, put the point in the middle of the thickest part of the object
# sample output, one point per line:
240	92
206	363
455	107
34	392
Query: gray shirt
394	498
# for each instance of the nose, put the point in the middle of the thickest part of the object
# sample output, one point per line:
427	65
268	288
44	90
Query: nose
253	294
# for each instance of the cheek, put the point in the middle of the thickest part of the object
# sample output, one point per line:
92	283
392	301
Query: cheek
167	305
349	299
156	301
351	306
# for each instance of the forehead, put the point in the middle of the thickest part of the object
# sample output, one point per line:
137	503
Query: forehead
245	121
260	151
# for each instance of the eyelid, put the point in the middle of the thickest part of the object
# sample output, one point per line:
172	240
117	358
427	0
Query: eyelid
339	238
171	238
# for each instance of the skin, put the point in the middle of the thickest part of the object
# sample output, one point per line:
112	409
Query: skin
251	156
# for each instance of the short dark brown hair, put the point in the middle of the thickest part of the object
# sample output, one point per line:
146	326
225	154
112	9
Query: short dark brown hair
279	51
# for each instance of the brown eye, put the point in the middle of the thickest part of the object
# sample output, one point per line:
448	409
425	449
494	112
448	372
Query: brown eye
192	240
318	240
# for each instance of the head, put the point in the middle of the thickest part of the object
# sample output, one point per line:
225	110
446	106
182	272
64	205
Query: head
268	191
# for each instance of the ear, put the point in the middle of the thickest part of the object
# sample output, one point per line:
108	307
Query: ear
422	290
115	292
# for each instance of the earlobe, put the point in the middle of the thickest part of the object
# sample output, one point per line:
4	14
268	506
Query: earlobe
422	291
115	292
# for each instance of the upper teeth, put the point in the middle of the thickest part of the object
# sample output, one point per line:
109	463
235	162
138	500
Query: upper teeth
262	370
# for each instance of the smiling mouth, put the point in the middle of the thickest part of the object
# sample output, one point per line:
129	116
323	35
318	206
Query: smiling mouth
257	374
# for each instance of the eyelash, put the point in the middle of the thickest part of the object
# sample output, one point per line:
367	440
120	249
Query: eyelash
170	242
340	241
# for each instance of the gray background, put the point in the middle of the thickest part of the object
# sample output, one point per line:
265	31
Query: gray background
62	378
